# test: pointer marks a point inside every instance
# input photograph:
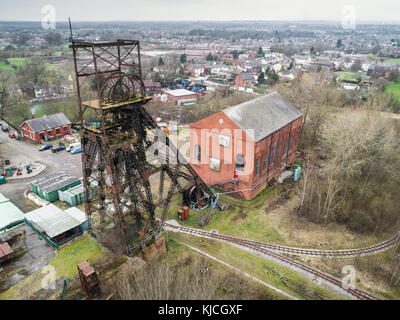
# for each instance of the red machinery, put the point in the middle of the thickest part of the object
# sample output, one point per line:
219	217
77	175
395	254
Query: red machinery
6	252
89	280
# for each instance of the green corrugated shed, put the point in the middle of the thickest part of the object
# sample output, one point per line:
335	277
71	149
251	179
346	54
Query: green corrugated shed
75	195
10	215
48	186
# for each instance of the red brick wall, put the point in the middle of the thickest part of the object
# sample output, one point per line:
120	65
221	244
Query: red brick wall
250	180
239	81
36	135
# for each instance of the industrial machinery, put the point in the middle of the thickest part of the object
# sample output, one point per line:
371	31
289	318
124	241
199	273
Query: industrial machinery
136	167
89	280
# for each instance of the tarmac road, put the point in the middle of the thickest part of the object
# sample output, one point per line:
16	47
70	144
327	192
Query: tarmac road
21	151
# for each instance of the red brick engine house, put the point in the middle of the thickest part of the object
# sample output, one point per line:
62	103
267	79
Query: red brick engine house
243	147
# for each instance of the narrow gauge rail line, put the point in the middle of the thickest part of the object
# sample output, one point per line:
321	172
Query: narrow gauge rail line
260	247
341	253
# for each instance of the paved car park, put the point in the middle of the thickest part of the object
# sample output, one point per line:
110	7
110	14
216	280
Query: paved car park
19	151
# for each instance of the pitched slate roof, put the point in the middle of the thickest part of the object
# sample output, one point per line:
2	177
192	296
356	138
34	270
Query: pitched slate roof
247	76
47	122
264	115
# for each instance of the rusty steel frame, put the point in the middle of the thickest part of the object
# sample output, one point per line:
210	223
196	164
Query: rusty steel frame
116	172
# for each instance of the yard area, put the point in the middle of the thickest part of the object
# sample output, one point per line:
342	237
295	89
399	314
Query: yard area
348	76
65	263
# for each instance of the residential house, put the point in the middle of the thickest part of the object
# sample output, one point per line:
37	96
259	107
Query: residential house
152	88
244	80
196	69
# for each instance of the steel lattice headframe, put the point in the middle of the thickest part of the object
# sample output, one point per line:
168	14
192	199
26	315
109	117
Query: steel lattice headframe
123	183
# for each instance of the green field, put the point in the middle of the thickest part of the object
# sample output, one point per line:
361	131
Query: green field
17	62
394	90
394	61
347	75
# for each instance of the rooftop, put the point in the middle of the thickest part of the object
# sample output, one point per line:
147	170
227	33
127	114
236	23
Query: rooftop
51	220
54	181
179	92
47	122
9	213
264	115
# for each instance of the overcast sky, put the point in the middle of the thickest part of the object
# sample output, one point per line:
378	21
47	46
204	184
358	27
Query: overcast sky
219	10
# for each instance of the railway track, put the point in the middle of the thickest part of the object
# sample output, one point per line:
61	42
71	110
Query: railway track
342	253
270	250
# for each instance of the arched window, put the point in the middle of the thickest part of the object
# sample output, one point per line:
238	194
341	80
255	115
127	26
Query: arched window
197	155
239	163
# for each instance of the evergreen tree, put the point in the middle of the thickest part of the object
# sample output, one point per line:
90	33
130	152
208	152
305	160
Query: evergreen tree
160	61
210	57
339	43
261	78
260	52
183	58
235	54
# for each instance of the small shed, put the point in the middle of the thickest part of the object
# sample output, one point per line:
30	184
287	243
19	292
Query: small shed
54	225
48	186
80	216
10	215
76	195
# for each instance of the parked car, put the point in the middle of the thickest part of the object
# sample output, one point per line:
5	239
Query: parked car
57	149
76	150
5	129
11	135
73	146
45	147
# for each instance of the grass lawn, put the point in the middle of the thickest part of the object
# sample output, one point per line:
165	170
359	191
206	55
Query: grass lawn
270	272
394	61
6	67
242	219
17	62
347	76
394	90
65	263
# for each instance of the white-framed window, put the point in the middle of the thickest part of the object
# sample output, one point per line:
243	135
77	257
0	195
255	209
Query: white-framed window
215	164
224	140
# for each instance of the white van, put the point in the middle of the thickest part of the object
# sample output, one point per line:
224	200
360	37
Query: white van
73	146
